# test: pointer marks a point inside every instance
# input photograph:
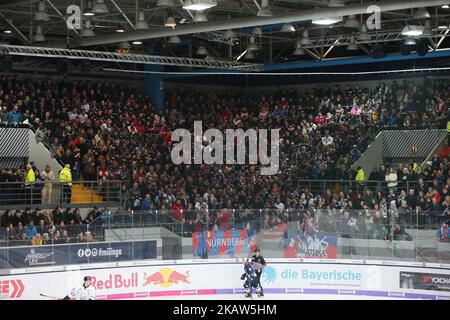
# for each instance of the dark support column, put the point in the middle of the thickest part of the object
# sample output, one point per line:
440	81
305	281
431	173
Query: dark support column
153	83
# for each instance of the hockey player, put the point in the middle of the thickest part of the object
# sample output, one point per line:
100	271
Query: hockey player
259	263
251	280
84	292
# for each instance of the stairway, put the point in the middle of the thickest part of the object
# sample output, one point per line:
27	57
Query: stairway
82	194
401	146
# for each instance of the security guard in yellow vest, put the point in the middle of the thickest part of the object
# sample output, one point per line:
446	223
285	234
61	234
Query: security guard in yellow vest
30	179
448	131
65	176
360	176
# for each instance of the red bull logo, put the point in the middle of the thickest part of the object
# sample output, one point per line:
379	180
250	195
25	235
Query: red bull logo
166	277
115	281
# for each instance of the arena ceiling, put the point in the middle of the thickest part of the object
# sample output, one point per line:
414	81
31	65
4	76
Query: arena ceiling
249	31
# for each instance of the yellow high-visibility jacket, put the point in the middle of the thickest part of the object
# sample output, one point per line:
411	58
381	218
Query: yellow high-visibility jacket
66	176
30	178
360	176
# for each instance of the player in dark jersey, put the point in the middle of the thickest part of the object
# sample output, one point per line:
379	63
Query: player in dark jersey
251	279
259	263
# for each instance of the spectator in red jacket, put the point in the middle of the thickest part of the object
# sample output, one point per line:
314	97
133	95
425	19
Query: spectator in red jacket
178	211
319	118
436	196
103	173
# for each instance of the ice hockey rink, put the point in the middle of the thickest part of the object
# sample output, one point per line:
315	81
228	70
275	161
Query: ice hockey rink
282	279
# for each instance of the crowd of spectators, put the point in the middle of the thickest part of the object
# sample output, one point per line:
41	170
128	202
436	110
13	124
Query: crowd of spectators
31	186
57	226
111	132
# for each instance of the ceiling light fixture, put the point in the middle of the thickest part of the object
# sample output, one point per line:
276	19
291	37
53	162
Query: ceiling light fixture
305	41
410	42
422	13
38	36
124	45
298	49
445	6
352	46
413	31
141	24
88	10
288	27
7	31
100	7
137	42
120	30
201	51
364	36
87	31
352	23
327	21
265	11
252	46
249	55
199	5
41	14
170	22
200	17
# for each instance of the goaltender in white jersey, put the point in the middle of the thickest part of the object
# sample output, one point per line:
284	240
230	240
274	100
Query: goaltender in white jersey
83	292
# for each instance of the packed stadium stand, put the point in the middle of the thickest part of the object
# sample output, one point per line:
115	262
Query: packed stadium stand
111	133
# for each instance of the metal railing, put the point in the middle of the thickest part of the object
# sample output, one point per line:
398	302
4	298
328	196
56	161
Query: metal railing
18	195
47	235
328	220
335	186
317	233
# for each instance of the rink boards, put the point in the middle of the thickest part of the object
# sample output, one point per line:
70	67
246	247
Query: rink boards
220	279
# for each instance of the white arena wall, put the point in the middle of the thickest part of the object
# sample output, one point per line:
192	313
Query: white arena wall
220	279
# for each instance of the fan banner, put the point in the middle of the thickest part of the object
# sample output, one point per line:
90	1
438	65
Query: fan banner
218	243
318	245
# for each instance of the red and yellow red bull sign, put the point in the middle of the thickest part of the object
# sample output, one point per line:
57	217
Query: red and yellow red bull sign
166	277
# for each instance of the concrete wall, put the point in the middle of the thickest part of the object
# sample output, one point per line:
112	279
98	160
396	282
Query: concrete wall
41	155
373	156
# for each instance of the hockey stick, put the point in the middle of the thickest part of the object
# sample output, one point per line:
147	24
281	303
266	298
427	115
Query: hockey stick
47	296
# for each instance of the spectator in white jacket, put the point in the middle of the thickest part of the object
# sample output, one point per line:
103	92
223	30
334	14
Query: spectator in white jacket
391	179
